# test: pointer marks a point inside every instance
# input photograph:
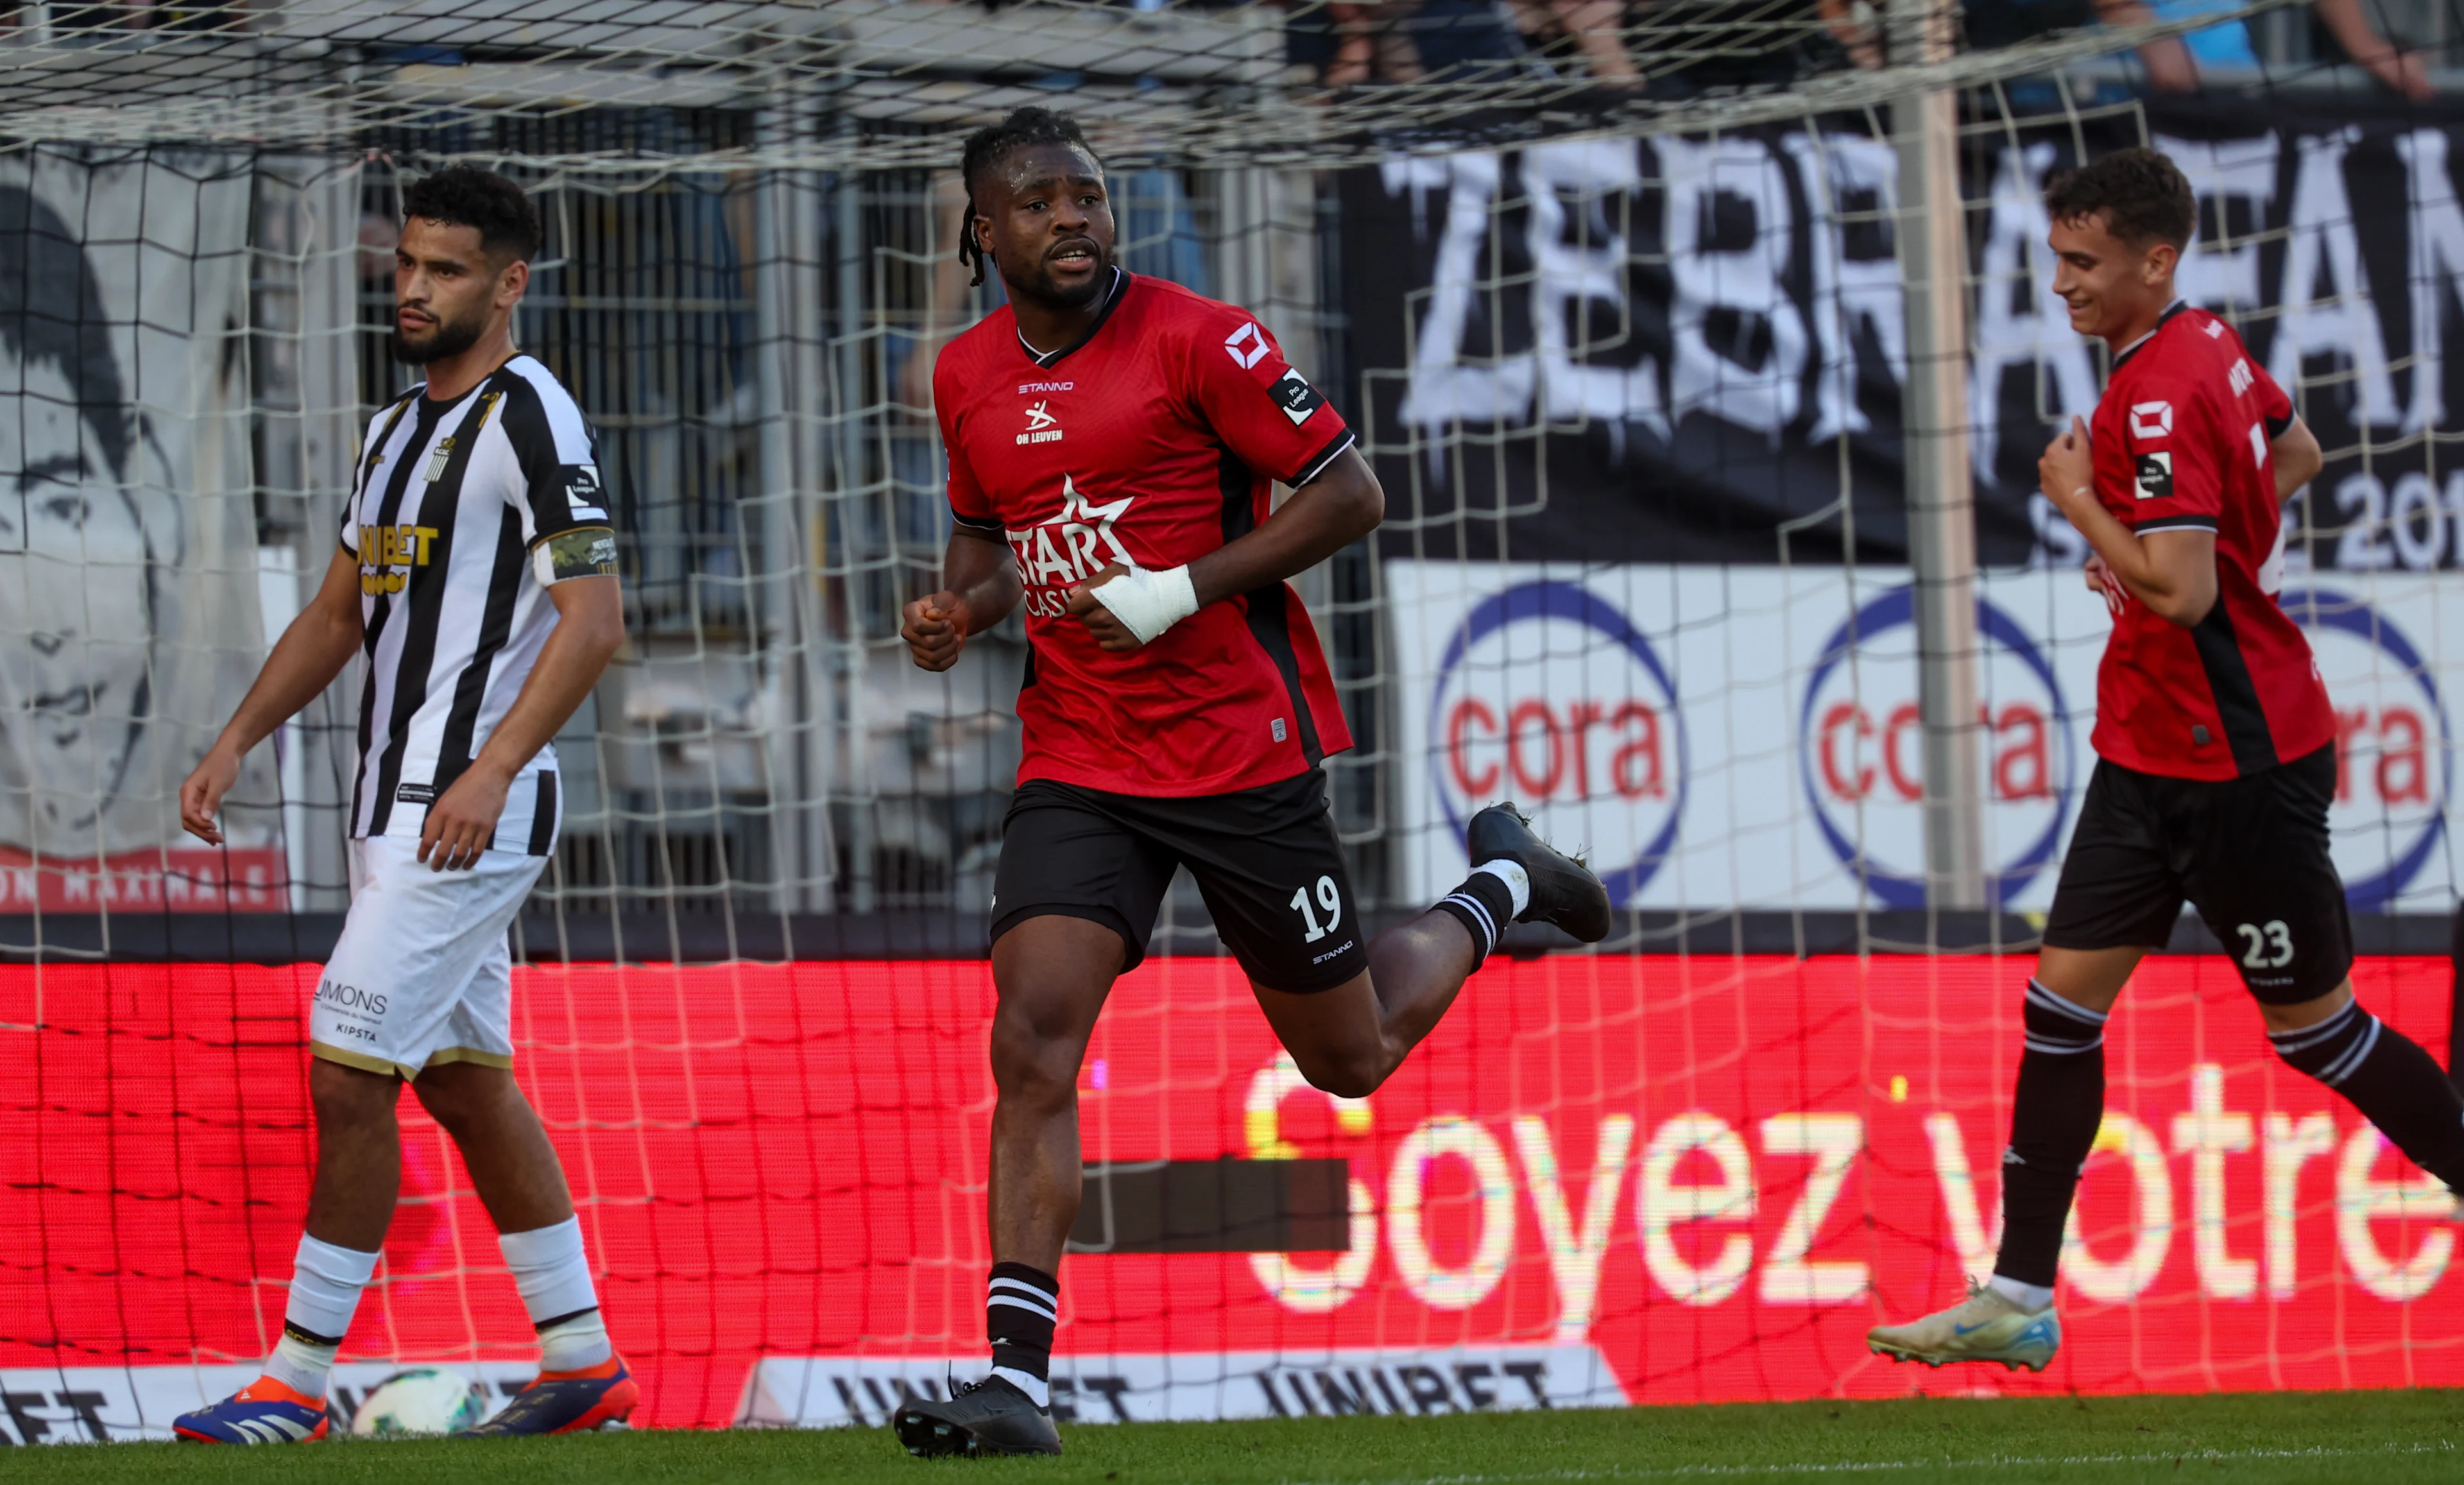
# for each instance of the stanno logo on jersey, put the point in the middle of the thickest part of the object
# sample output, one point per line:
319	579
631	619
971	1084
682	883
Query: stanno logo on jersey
385	551
1042	426
1068	550
1246	345
1299	400
2152	420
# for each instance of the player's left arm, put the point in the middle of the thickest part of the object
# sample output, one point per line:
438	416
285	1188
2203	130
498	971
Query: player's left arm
589	629
1341	505
2173	571
563	509
1240	386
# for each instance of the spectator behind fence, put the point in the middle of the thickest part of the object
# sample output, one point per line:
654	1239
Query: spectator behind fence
1713	44
2002	23
1460	40
2174	63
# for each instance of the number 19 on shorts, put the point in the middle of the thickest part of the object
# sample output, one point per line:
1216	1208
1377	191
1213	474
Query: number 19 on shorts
1329	897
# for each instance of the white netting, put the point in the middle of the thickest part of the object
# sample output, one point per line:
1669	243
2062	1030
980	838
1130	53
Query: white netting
1635	388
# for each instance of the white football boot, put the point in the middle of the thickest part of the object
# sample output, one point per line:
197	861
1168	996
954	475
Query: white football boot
1982	1327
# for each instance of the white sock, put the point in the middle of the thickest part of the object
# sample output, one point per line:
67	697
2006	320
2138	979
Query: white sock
325	1284
299	1366
1518	881
1037	1390
576	1343
553	1276
2031	1298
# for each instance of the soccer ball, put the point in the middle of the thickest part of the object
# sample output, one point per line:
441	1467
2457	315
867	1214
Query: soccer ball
426	1400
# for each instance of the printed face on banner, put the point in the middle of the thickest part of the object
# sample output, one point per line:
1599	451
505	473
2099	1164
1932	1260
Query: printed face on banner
75	586
1548	695
2393	743
1862	747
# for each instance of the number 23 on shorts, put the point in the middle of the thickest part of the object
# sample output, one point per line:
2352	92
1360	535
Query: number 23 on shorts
1331	899
2267	945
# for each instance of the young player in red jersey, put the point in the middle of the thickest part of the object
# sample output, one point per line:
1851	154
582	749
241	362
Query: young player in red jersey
2215	749
1112	442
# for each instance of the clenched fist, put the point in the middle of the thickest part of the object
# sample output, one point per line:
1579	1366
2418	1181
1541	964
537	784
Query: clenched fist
935	631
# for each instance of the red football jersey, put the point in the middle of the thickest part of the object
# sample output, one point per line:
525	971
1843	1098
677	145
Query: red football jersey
2182	439
1155	439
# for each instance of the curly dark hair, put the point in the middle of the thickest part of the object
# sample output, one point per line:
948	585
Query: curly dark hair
2141	190
992	144
465	196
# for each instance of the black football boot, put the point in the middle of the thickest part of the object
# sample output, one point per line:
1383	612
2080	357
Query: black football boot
1563	890
987	1417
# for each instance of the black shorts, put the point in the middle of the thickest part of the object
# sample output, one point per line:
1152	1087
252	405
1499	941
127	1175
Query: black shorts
1265	859
2250	853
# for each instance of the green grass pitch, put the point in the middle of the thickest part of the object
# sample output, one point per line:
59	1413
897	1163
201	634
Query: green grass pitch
2378	1437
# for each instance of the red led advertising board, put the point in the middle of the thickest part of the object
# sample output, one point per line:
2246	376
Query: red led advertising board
1645	1180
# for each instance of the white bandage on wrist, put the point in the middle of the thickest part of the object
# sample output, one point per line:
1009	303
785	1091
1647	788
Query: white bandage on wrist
1148	602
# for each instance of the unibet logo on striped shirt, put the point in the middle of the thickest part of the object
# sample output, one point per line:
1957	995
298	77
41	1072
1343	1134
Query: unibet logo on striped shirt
389	549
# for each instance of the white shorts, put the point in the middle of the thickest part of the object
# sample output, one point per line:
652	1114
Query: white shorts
422	973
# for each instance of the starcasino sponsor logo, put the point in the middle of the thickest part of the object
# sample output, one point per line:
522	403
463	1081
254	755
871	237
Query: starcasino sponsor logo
1861	745
2394	764
387	553
1548	696
1070	546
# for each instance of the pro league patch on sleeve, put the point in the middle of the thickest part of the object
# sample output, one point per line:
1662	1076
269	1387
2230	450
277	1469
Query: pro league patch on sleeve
1298	399
2156	475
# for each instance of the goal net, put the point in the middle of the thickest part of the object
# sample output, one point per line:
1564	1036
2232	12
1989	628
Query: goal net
1622	320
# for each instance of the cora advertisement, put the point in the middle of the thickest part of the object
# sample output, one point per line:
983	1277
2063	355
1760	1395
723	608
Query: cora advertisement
1602	1180
1750	737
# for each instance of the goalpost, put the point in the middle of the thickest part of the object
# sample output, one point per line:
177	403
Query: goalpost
1707	409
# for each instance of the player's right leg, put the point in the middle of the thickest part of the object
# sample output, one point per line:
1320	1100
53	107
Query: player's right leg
359	1171
1074	902
384	1005
2118	896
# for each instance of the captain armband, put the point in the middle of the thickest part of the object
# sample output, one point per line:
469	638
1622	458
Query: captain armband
589	553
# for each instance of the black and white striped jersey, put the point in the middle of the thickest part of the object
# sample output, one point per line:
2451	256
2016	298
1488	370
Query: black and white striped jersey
461	516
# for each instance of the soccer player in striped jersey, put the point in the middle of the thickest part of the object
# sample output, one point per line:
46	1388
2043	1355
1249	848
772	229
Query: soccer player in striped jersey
477	577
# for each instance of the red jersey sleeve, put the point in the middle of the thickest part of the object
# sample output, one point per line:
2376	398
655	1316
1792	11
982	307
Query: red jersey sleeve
2169	446
2273	405
969	507
1265	412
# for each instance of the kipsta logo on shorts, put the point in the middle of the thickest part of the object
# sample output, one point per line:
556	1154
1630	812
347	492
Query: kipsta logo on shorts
2394	764
1861	745
1068	549
1547	695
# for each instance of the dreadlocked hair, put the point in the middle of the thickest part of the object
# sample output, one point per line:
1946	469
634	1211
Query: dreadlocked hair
990	144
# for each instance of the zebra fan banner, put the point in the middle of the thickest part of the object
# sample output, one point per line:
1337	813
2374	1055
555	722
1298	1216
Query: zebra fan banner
1672	349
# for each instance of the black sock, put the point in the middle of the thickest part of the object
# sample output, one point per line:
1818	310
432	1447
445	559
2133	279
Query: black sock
2387	1076
1022	1306
1485	905
2053	1117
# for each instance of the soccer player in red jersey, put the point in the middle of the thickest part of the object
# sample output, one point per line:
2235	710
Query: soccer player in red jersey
1112	442
2216	757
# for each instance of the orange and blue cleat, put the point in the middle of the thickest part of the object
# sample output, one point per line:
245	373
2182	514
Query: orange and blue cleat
565	1402
265	1411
